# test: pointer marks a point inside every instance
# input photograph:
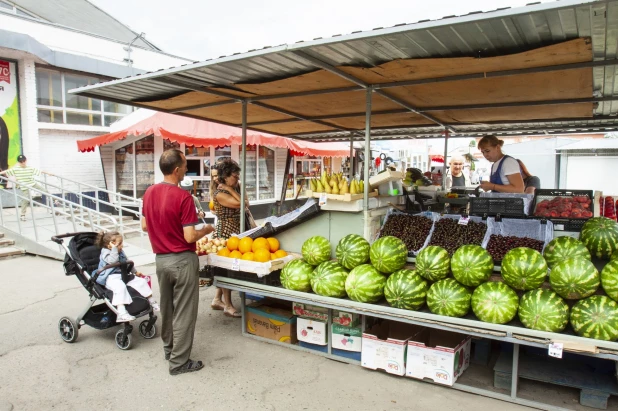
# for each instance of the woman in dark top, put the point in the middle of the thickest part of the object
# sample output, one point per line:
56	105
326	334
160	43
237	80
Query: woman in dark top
531	183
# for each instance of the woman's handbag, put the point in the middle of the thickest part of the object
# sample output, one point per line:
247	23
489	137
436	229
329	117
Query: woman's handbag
249	221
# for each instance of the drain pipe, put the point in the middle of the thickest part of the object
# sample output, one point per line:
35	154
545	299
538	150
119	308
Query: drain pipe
128	49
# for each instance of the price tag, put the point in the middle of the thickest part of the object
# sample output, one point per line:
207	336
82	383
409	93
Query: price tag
555	350
323	199
464	220
236	265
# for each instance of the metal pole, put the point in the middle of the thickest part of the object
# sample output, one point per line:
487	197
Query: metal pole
446	132
243	308
36	234
17	206
515	371
351	165
367	148
243	167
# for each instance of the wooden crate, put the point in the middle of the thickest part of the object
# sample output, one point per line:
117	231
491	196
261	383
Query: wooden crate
340	197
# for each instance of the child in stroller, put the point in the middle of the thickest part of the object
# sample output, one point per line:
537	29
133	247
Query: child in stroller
111	278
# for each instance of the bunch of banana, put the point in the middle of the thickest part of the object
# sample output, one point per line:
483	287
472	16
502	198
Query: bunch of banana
336	183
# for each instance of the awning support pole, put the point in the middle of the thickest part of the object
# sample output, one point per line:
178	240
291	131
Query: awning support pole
369	92
243	166
446	133
351	165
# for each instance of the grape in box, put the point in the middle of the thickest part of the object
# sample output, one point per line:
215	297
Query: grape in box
565	207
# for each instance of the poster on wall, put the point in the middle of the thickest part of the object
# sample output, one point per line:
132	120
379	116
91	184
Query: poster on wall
10	131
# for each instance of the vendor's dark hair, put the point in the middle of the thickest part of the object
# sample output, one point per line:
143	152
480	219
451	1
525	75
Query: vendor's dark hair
104	238
170	159
226	168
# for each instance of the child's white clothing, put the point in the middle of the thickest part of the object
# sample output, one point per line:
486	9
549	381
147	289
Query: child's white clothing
115	284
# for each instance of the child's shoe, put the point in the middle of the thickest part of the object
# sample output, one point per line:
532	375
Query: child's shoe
124	318
155	306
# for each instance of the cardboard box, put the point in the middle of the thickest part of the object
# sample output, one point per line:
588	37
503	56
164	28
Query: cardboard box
384	346
310	331
310	312
347	338
272	322
441	356
345	319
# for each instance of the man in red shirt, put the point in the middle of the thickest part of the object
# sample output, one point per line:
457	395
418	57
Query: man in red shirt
170	219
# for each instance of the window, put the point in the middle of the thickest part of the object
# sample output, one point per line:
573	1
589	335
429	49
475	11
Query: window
260	173
56	105
135	167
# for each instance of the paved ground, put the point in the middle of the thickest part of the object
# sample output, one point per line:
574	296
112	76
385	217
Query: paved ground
41	372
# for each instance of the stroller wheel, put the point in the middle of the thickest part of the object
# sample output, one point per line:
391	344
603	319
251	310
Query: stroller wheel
123	341
68	329
142	330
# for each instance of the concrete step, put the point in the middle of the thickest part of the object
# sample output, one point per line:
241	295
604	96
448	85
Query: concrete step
10	252
5	242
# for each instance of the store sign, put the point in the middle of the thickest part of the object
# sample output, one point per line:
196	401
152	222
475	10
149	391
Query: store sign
10	130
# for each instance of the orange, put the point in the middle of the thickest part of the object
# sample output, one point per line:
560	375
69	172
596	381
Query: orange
224	252
280	254
273	243
232	243
261	255
248	256
235	254
211	205
273	256
260	243
245	244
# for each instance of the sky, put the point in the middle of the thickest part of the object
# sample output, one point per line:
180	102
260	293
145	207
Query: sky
204	29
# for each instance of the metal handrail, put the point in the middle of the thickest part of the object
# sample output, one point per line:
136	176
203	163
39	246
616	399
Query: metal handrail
80	184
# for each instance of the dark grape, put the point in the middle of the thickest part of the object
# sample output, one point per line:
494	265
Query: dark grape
499	245
412	230
451	235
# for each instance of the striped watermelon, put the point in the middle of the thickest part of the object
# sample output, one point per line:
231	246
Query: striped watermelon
543	310
316	250
448	297
405	289
495	303
472	265
574	278
561	248
596	317
352	251
523	268
609	279
600	236
388	254
365	284
433	263
614	256
328	279
296	275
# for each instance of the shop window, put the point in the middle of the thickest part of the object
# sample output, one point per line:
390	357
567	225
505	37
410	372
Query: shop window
144	160
125	159
260	173
168	145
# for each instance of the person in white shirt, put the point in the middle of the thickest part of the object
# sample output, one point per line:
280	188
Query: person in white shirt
505	172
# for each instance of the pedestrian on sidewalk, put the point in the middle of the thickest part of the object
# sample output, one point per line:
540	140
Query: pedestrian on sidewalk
170	219
24	174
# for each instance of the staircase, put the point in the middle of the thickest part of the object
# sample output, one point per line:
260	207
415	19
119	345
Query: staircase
8	249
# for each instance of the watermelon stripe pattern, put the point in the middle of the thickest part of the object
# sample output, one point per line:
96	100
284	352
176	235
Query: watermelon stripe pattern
329	279
596	317
388	254
448	297
406	289
523	268
609	279
352	251
600	236
296	275
316	250
561	248
495	303
574	278
433	263
472	265
543	310
365	284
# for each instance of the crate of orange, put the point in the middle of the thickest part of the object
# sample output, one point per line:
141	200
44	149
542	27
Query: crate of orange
259	257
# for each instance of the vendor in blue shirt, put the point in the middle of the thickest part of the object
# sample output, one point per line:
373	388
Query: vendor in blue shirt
505	172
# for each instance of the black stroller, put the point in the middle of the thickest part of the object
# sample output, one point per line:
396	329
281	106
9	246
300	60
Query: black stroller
81	259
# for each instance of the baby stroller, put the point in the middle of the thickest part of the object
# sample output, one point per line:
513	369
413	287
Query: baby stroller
81	260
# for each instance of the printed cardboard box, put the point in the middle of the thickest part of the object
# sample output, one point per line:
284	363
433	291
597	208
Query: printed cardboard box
310	312
384	346
347	338
345	319
272	322
313	332
441	356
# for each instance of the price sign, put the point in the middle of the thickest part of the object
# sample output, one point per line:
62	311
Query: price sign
555	349
464	220
236	265
323	199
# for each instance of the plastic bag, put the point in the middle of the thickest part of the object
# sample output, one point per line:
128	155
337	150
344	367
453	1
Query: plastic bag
520	228
432	216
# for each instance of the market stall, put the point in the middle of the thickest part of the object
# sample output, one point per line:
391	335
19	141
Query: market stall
549	78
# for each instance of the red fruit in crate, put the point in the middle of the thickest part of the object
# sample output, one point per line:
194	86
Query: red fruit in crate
565	214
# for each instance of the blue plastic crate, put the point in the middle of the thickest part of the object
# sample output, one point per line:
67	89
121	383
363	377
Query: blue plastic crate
320	348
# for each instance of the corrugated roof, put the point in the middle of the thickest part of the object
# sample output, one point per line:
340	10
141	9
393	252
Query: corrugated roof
478	35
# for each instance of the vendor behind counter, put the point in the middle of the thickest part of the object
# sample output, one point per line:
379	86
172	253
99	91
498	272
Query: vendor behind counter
505	171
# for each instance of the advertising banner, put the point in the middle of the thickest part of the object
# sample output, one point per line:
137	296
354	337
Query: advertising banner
10	130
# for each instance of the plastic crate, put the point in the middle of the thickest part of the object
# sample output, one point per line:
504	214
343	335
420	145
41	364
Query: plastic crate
273	279
506	207
567	224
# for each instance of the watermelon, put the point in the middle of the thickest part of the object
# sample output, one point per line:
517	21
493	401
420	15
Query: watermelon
433	263
388	254
600	236
406	289
561	248
352	251
609	279
494	303
365	284
543	310
574	278
472	265
448	297
523	268
596	317
614	256
328	279
296	275
316	250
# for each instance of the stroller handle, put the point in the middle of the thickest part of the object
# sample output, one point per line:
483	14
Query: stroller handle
58	238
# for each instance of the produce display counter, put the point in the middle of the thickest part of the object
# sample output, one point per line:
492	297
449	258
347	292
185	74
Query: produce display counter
513	334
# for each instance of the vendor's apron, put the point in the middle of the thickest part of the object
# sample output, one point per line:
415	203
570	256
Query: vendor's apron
494	178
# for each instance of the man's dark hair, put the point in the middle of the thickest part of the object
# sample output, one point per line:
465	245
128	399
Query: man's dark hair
170	159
